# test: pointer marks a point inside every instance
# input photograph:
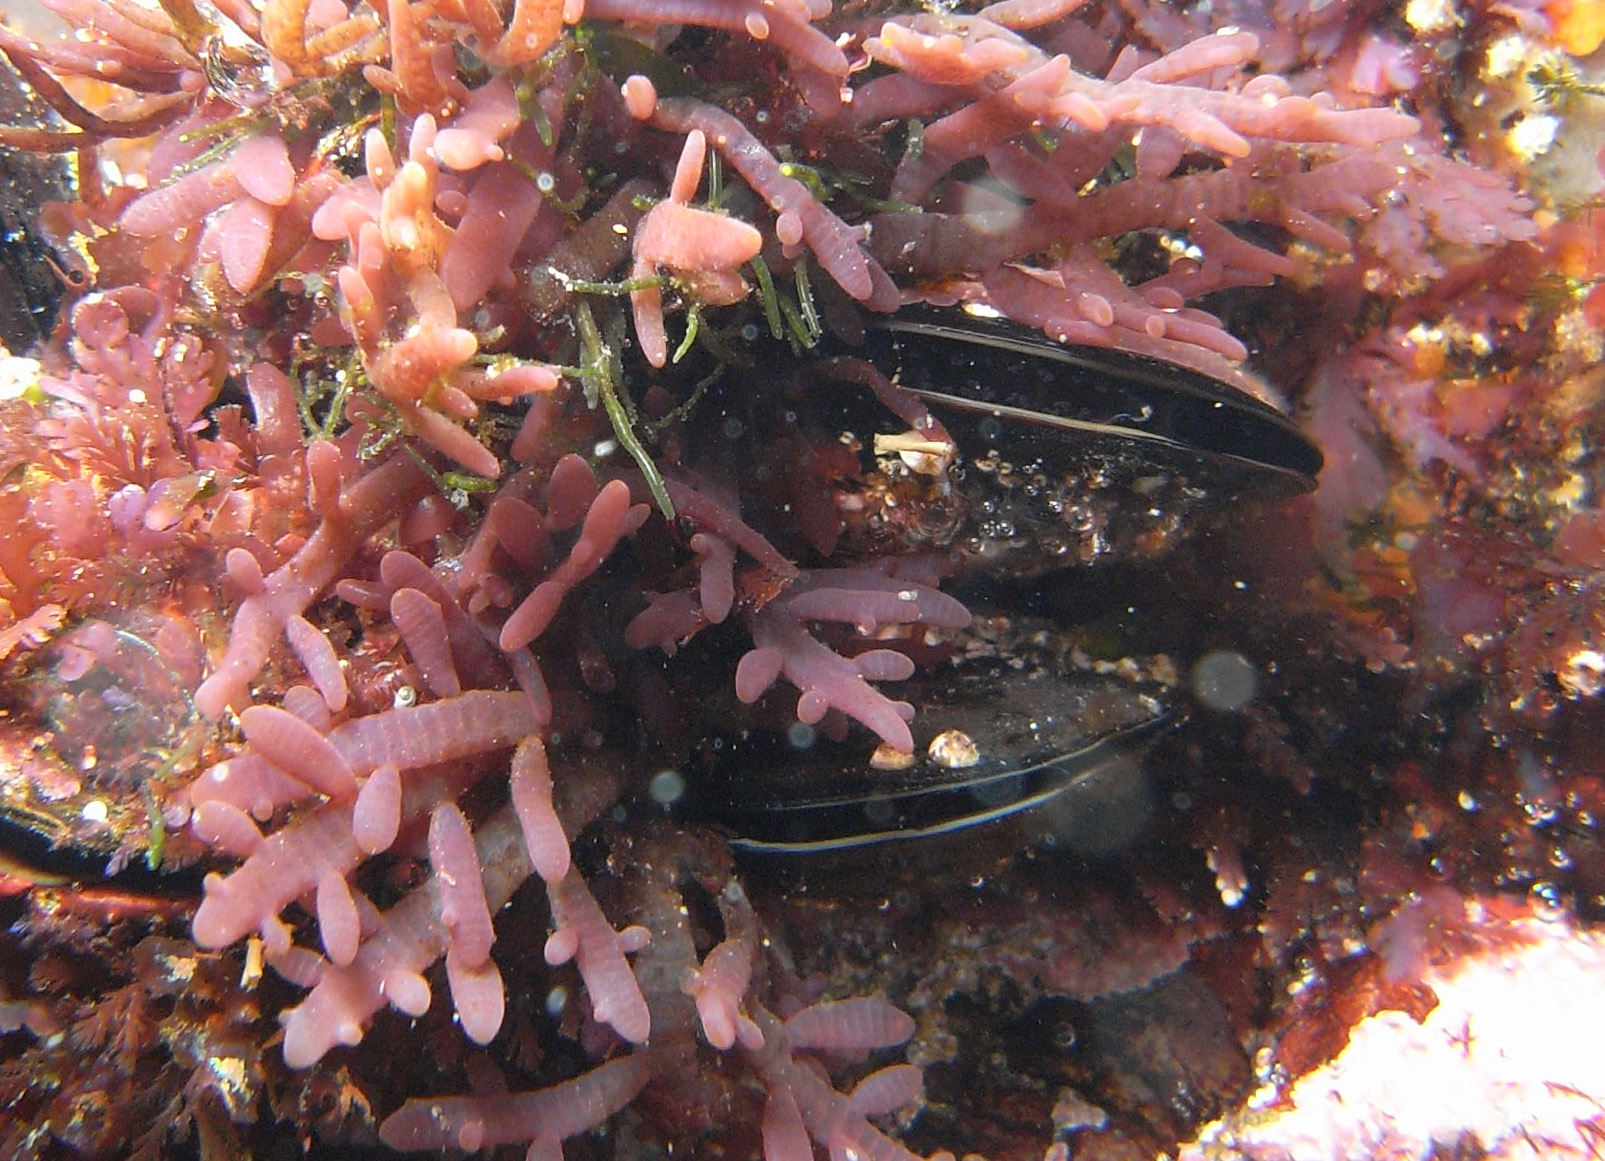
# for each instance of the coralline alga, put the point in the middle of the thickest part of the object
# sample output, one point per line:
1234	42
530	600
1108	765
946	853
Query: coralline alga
428	478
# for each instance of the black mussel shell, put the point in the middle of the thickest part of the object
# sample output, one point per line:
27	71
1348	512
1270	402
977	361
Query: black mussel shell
969	368
1075	455
1061	456
1049	750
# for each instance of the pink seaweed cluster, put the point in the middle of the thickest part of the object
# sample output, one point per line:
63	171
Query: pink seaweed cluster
365	386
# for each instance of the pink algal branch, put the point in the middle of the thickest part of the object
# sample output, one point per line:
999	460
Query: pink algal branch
474	136
397	305
544	1118
298	749
279	868
286	865
799	215
475	981
719	987
673	618
716	587
668	622
582	934
957	50
310	50
361	509
421	71
473	657
1083	301
827	680
389	966
530	787
849	1027
406	738
700	248
531	30
786	25
714	518
610	518
406	940
802	1104
422	626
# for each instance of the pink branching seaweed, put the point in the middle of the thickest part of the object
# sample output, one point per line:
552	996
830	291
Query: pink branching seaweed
701	247
463	567
866	599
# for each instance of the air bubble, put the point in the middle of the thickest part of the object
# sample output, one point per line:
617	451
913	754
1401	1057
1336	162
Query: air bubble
667	787
1225	680
1548	903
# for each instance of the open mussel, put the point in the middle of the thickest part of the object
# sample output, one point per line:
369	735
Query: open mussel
1044	457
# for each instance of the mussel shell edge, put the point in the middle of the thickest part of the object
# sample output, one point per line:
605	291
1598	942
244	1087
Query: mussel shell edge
1041	740
1095	397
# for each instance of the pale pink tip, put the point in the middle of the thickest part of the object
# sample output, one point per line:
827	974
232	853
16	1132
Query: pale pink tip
789	229
262	165
640	96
